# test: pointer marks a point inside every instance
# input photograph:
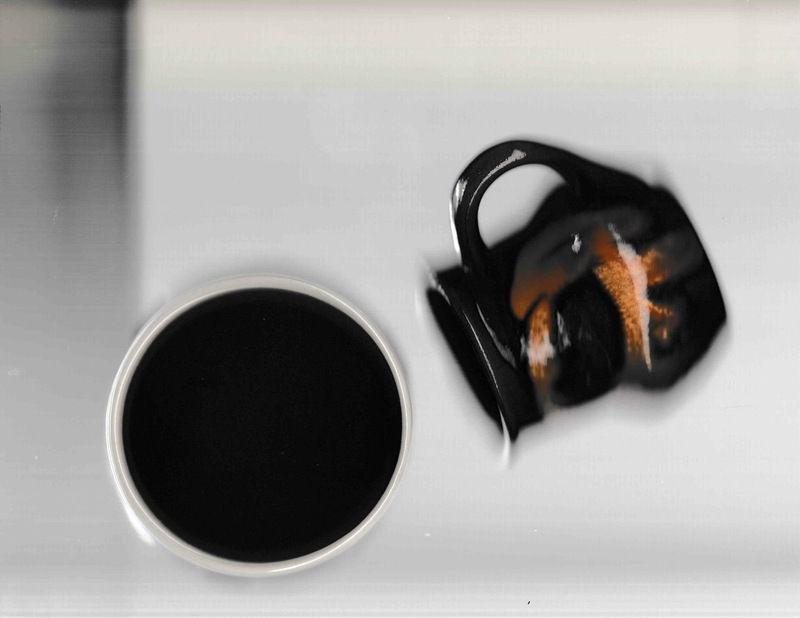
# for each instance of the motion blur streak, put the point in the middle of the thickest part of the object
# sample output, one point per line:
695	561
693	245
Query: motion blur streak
67	279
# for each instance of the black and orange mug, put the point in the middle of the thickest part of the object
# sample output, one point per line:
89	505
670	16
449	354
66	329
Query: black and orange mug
607	283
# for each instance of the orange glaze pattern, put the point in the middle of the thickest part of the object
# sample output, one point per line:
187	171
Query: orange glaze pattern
540	349
626	276
622	273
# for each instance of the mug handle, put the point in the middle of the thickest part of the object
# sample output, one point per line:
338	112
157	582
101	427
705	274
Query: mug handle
585	179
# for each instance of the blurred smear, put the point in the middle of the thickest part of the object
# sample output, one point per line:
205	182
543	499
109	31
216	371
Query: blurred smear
66	271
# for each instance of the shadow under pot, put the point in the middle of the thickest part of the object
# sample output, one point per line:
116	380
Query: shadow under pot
607	283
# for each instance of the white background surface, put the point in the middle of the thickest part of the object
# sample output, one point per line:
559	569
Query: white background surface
322	141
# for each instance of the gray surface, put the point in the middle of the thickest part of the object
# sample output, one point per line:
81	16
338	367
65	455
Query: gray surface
322	142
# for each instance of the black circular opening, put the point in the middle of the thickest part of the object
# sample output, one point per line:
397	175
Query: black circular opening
262	425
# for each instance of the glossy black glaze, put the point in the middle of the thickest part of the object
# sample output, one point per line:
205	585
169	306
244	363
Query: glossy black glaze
608	282
262	425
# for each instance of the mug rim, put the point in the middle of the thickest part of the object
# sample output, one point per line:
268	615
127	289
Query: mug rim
125	486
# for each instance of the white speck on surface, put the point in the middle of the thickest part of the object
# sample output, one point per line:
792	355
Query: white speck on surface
15	372
55	214
427	534
576	243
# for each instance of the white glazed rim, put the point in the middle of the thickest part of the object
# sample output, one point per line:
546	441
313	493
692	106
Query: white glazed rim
116	404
